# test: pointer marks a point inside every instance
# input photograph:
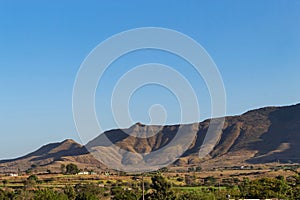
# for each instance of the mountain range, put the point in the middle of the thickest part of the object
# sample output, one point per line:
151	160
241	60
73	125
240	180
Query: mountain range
260	136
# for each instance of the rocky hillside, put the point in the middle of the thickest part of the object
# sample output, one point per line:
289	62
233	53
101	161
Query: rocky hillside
51	156
266	135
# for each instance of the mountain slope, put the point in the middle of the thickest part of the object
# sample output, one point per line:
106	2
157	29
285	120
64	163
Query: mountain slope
50	154
263	135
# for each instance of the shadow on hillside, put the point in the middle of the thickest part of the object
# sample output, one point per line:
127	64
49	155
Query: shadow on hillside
44	153
123	140
58	155
279	143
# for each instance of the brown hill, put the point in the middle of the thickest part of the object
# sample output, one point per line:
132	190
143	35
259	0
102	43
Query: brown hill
50	156
263	135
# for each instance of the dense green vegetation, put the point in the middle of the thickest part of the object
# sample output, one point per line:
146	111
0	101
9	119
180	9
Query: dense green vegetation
71	169
159	188
157	185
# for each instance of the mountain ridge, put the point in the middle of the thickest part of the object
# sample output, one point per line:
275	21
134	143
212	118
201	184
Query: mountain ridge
258	136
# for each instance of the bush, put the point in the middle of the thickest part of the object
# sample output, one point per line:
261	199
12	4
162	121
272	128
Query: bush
161	189
72	169
89	192
70	192
180	179
50	195
126	195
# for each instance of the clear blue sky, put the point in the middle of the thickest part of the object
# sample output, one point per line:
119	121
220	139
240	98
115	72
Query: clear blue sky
255	44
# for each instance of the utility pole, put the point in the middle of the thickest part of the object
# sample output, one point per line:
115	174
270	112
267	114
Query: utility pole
143	186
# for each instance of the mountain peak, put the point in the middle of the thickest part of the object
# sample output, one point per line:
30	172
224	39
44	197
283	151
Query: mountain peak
70	141
139	124
263	135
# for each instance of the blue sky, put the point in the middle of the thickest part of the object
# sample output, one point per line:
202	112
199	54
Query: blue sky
255	44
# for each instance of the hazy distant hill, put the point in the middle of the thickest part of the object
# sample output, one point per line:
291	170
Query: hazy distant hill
270	134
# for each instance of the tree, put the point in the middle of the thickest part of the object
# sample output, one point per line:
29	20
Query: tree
33	166
23	195
33	177
70	192
265	188
4	182
191	169
86	196
31	181
28	171
72	169
190	180
164	169
50	195
5	195
198	169
89	192
209	180
244	187
161	189
122	194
